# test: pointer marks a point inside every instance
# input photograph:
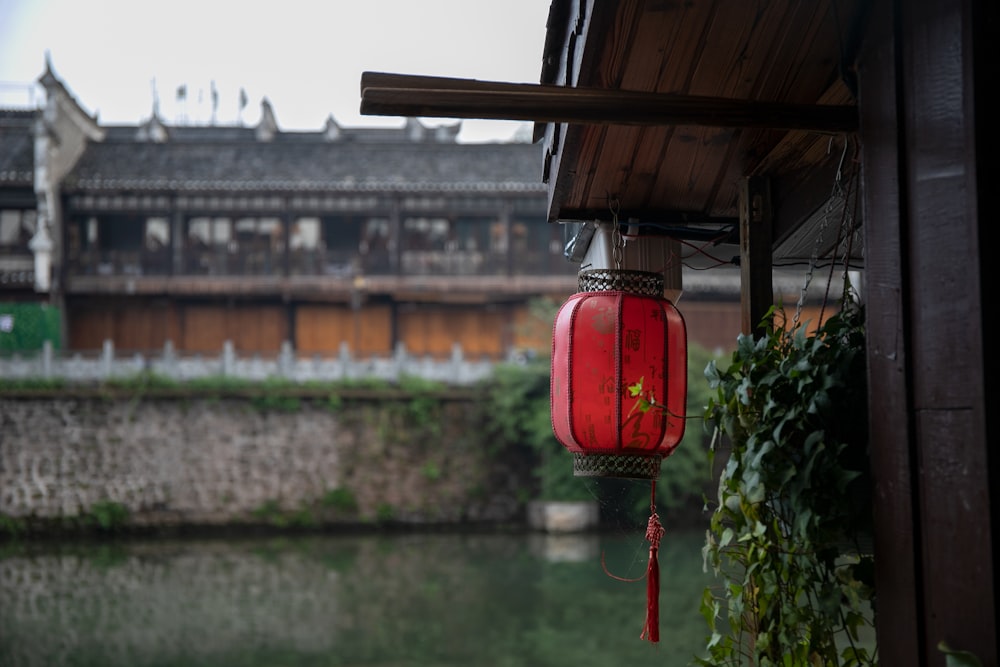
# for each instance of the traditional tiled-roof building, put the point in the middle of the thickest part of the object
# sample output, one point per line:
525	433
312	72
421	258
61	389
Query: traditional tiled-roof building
369	237
18	204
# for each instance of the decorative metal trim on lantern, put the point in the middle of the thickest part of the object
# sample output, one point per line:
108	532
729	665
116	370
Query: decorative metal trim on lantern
618	332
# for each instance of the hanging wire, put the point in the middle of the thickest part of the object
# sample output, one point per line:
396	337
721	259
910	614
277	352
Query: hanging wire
839	196
850	246
617	242
846	223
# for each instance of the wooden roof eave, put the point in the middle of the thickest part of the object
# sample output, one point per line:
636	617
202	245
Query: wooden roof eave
570	113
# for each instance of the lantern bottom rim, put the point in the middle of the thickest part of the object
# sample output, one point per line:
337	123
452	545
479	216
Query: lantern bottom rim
629	466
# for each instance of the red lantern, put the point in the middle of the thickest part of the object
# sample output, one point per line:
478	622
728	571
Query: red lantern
615	338
619	387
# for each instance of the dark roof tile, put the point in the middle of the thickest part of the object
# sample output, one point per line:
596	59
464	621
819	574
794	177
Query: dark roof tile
312	165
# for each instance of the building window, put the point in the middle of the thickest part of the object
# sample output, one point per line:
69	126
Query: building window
16	229
259	246
209	242
343	244
305	247
157	233
376	245
425	233
538	247
156	247
106	245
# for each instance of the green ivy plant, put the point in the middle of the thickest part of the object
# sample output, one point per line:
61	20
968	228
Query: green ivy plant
957	658
108	515
787	535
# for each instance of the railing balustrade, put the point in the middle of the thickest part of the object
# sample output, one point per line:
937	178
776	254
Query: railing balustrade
79	367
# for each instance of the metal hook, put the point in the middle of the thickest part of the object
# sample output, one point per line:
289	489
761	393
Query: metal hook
617	242
838	180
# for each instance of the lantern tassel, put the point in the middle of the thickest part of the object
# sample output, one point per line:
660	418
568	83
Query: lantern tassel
654	532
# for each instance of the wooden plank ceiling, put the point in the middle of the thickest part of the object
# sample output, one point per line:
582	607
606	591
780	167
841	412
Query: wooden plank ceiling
680	167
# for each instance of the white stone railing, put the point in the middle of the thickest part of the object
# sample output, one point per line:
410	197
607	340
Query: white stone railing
77	368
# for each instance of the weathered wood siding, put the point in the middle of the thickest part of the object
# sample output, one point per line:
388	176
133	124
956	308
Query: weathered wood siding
321	328
936	482
434	329
251	328
370	330
131	327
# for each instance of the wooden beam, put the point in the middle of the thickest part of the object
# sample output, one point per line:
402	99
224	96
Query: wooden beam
756	284
384	94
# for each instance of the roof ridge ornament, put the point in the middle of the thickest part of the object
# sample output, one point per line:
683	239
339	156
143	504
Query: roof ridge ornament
267	128
153	130
332	130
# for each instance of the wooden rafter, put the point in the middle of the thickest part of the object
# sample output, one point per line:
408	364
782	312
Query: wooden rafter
385	94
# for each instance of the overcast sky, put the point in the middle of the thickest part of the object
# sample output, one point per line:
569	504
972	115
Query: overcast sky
305	56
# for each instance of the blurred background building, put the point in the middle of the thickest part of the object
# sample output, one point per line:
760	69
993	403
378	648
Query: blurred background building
365	239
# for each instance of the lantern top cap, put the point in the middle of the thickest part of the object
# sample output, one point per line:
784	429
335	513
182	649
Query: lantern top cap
643	283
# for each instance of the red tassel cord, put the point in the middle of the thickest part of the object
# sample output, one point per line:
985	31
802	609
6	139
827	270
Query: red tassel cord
654	532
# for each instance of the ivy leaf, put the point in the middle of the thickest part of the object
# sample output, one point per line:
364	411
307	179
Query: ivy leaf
788	406
802	520
636	389
957	658
712	374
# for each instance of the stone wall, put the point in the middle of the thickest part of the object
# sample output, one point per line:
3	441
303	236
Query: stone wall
214	461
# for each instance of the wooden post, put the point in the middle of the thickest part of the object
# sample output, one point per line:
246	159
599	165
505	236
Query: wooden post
756	291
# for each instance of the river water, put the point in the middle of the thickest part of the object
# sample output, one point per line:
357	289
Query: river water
379	600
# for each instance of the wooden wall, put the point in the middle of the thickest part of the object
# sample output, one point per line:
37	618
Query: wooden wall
146	326
714	325
432	329
321	328
483	330
131	328
936	473
251	328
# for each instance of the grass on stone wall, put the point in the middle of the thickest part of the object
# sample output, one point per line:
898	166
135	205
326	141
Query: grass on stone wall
103	517
419	399
341	499
12	527
271	513
107	515
15	385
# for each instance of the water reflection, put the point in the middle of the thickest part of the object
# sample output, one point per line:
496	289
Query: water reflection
330	601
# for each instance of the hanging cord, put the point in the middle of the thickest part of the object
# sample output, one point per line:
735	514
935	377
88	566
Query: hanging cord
838	193
852	230
846	223
851	224
654	533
